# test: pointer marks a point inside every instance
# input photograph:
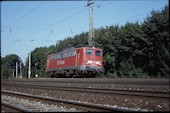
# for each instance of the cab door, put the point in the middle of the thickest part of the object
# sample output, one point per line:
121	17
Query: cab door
77	62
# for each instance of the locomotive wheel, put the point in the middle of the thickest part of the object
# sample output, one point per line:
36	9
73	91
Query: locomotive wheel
52	76
67	74
82	76
77	75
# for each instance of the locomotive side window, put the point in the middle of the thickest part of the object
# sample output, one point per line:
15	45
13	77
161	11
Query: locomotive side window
89	52
98	53
73	53
64	55
67	54
56	57
61	55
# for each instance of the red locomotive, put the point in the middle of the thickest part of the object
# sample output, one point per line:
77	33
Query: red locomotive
75	62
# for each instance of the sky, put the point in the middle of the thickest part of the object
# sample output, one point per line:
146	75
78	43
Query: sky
27	25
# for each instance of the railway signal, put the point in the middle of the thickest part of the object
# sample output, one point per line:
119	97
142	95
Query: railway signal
29	68
16	69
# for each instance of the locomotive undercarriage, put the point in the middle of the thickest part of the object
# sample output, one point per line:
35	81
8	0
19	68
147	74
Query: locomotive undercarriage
80	71
72	74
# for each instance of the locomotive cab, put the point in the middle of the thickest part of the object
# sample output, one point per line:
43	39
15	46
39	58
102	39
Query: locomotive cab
93	60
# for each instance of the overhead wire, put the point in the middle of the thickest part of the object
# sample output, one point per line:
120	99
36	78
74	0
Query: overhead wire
23	16
43	10
56	11
130	10
54	23
66	18
51	24
7	18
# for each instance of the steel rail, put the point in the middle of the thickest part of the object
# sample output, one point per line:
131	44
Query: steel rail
87	105
94	82
15	108
151	94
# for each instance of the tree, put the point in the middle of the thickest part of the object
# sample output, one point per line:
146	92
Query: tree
8	64
156	29
105	38
129	50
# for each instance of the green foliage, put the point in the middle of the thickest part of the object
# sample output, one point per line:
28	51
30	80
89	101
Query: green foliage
8	64
156	29
38	61
101	76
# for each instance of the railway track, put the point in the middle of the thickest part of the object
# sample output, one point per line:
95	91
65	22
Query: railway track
137	93
82	106
11	108
128	95
93	81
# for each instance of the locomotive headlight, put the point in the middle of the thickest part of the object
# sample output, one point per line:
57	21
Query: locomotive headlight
98	63
88	62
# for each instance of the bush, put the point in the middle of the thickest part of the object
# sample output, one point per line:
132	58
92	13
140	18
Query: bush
101	76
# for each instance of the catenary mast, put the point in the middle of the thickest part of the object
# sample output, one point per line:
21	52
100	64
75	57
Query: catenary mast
91	29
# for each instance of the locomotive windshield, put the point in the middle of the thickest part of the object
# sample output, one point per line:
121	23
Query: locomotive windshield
98	53
89	52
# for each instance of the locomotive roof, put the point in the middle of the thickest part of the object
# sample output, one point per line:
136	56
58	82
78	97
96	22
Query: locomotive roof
73	48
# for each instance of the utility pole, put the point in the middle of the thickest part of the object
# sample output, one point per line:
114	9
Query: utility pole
16	69
29	69
36	69
20	69
13	72
91	29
